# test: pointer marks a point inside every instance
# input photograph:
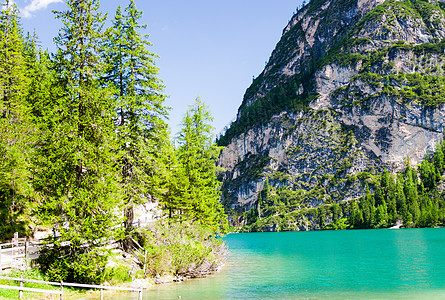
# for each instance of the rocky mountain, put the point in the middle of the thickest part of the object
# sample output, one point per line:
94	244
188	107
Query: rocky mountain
353	88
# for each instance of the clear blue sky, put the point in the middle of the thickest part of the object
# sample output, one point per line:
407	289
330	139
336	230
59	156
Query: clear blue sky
210	48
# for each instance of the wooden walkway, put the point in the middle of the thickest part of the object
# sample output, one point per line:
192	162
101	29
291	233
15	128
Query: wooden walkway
18	254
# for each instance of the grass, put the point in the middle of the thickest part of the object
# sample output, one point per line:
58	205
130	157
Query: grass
69	293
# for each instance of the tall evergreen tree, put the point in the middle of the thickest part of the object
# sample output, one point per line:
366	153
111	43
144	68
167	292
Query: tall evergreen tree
381	216
76	171
175	198
389	184
142	134
198	153
15	125
410	190
39	74
401	201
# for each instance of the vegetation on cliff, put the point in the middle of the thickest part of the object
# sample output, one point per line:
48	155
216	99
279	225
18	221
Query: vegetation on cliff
342	95
412	198
353	45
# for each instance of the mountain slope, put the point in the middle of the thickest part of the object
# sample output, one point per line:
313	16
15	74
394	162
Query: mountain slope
354	87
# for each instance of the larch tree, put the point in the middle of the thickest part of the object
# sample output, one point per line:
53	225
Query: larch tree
141	129
77	165
15	125
198	153
174	200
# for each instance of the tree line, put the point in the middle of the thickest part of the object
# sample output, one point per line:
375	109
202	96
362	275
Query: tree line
413	196
83	137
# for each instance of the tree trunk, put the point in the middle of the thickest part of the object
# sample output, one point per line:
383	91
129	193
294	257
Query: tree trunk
127	242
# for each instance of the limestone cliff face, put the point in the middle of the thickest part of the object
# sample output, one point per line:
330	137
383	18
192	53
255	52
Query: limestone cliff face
355	87
311	32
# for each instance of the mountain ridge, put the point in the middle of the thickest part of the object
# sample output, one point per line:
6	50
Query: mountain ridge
352	87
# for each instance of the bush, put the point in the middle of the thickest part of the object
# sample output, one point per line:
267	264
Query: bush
180	248
80	265
118	274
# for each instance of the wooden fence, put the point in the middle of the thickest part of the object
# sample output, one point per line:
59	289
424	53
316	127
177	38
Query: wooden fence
18	254
22	289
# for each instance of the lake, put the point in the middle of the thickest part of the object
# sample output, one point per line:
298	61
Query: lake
352	264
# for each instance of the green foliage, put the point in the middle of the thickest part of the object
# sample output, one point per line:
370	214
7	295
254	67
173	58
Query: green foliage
427	90
340	224
142	134
35	274
16	126
280	98
179	248
83	138
118	274
411	196
63	263
197	156
29	274
75	163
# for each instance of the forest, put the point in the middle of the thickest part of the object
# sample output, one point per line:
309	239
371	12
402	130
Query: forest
409	198
84	140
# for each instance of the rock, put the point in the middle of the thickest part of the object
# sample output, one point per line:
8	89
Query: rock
359	62
164	279
140	284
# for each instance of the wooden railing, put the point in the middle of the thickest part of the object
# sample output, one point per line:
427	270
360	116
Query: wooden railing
18	254
61	284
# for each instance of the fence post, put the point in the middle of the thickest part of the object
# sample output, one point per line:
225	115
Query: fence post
101	294
145	262
27	264
21	285
1	263
15	244
140	294
61	290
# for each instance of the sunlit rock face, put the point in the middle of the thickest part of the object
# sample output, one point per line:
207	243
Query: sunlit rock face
352	87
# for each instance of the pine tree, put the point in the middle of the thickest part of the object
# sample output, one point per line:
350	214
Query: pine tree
336	212
401	201
198	154
428	173
439	157
389	185
15	125
381	216
175	200
142	134
410	190
39	75
368	209
76	171
356	218
321	215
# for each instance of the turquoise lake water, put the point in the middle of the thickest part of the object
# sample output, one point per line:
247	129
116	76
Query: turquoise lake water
353	264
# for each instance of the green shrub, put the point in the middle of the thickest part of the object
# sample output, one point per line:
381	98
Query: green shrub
81	265
179	248
118	274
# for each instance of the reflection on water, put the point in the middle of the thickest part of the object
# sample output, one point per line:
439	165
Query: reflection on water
355	264
411	259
